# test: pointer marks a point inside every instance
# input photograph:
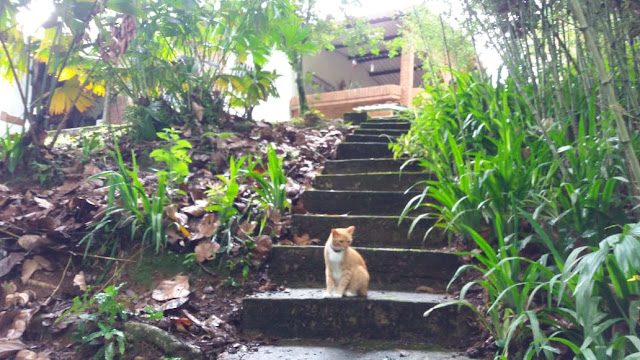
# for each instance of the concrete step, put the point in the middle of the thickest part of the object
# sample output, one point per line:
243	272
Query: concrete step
379	131
389	269
387	119
330	349
391	125
363	150
304	314
337	202
369	138
373	231
360	166
392	181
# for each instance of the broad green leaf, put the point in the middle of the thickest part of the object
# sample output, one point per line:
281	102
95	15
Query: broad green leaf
128	7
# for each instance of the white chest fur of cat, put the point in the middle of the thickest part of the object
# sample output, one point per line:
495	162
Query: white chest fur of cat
346	271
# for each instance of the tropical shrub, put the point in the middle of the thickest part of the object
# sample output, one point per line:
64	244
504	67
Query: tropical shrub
98	315
128	206
189	59
11	151
222	199
271	191
533	207
175	156
495	161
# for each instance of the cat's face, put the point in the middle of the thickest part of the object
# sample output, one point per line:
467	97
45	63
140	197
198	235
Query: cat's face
342	237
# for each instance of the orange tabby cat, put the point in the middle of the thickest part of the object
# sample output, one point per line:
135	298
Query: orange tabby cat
345	268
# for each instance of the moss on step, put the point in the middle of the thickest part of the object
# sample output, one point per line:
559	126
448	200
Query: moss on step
353	166
358	202
357	150
389	181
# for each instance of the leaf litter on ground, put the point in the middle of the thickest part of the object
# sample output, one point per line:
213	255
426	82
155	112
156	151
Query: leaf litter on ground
42	228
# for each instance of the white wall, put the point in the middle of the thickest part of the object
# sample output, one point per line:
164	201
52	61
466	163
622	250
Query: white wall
333	68
277	108
11	103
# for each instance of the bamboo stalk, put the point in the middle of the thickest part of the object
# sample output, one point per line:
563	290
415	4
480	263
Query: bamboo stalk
610	101
530	103
455	96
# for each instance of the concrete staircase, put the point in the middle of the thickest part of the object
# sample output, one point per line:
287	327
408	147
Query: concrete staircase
364	187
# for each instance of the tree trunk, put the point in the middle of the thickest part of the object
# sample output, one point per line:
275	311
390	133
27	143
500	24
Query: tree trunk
302	96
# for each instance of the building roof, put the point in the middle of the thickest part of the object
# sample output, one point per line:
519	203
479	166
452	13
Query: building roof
382	69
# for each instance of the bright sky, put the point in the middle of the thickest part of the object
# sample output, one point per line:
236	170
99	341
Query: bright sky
35	15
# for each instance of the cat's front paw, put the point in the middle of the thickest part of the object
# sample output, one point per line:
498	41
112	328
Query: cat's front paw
350	294
328	295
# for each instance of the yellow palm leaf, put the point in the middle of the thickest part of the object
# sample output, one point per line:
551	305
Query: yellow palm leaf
67	73
97	89
221	84
64	96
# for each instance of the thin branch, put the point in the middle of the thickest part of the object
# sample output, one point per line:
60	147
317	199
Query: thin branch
64	274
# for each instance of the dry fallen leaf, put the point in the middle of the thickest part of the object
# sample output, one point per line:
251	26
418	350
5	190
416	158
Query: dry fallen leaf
80	281
214	321
180	218
9	262
172	304
32	241
206	250
10	347
67	187
262	249
43	203
211	324
29	267
180	324
245	230
19	298
207	227
173	235
30	355
44	263
301	239
170	289
198	110
196	210
90	169
19	324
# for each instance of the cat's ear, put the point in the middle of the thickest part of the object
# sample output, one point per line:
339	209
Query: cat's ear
350	229
333	231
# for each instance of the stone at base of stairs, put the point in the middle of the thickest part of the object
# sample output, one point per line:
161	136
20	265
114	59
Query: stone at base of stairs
383	315
325	350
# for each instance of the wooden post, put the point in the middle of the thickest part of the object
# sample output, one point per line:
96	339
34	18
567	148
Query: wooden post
407	64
